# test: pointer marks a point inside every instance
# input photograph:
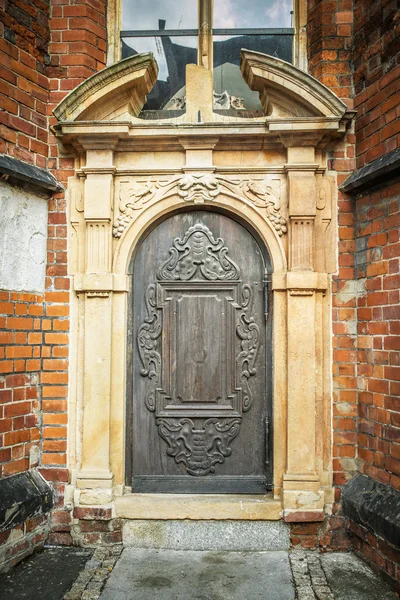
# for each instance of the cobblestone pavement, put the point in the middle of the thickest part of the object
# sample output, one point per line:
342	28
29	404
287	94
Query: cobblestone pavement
91	580
309	577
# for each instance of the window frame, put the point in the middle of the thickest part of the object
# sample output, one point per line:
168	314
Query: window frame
298	31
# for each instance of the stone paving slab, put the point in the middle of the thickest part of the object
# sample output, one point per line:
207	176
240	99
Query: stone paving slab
350	578
198	575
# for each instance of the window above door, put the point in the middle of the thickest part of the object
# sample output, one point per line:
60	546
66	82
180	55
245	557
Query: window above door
170	29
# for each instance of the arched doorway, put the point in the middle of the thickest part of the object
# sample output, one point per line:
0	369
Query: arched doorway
199	359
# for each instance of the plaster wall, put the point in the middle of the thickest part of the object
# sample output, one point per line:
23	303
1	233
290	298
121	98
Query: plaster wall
23	235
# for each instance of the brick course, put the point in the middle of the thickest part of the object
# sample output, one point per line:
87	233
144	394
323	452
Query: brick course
376	66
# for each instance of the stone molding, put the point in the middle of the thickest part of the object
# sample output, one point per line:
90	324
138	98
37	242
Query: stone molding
117	91
287	91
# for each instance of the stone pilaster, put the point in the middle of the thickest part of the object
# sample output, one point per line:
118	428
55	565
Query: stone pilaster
97	285
303	498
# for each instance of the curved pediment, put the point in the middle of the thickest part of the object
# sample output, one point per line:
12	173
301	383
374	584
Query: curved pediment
286	91
116	93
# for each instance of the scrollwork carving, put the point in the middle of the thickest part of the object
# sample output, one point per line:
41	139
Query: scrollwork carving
249	334
199	449
148	334
198	254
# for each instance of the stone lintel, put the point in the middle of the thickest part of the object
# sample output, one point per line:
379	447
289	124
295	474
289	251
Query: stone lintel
97	143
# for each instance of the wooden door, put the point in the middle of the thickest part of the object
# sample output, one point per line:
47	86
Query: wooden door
199	362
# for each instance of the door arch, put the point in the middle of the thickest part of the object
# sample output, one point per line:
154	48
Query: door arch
199	385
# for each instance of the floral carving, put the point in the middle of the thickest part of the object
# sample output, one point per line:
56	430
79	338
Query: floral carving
261	195
198	254
131	200
249	333
198	188
199	449
148	334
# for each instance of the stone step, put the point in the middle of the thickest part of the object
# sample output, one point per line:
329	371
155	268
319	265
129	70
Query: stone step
206	535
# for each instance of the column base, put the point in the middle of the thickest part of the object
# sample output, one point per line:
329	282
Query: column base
303	498
94	479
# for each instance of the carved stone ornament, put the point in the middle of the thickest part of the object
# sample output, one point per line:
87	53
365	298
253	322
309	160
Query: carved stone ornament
197	188
199	449
198	254
199	425
222	101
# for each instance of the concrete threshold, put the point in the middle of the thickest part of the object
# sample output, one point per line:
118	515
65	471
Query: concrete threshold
198	507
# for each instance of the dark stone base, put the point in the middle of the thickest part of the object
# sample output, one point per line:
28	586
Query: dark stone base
373	505
22	497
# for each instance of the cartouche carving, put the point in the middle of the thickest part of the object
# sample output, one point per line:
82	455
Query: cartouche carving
249	333
198	254
130	200
262	195
199	449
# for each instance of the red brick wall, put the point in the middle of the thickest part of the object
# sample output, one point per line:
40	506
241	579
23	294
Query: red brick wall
34	76
329	31
376	58
24	37
33	379
377	257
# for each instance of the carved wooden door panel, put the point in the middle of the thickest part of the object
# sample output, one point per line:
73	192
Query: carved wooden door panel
199	376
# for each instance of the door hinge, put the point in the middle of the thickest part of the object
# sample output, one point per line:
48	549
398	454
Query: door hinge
266	282
267	440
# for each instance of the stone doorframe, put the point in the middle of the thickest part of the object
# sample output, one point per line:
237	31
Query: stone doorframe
271	172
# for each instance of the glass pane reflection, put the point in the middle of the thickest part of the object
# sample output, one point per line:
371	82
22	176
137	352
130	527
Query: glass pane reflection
172	56
147	14
227	74
246	14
